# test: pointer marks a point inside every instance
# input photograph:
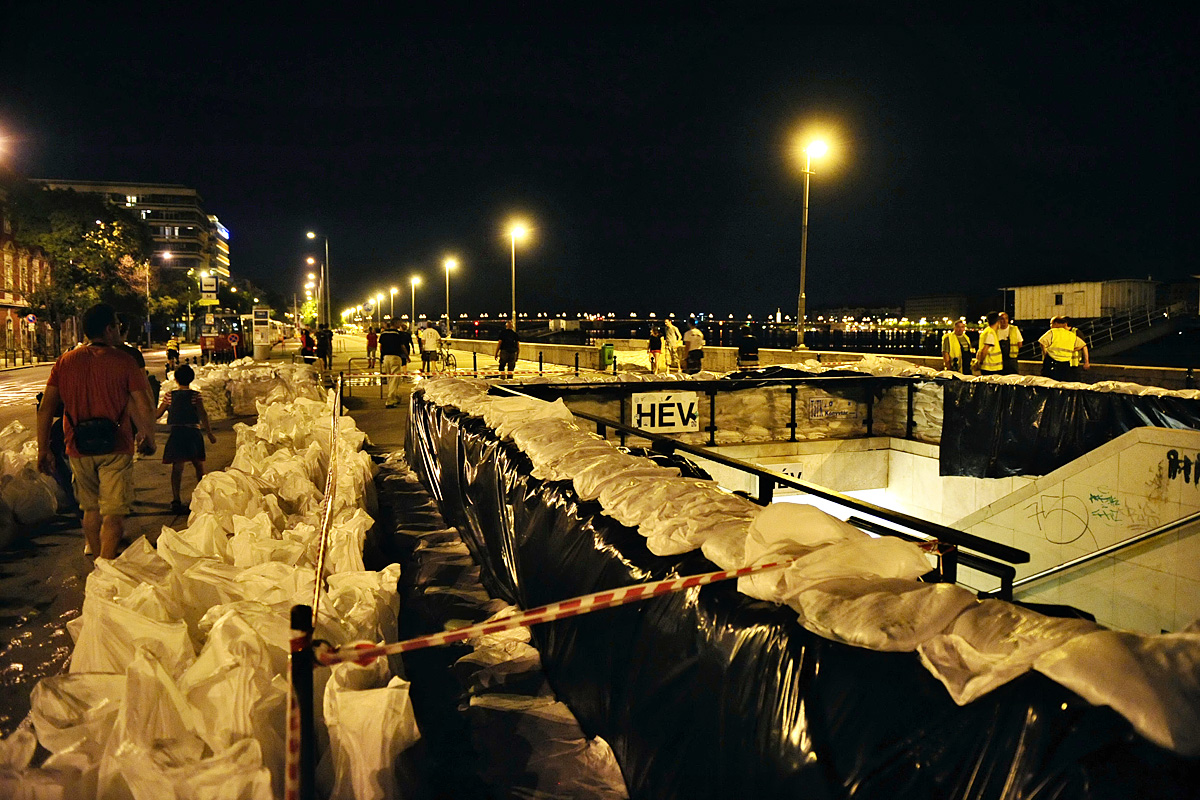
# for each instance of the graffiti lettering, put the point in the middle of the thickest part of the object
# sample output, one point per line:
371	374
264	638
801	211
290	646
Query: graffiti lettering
1182	467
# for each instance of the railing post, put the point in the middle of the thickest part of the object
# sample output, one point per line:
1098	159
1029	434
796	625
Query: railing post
912	423
793	390
870	408
614	363
948	562
475	363
301	751
766	490
712	418
577	365
540	362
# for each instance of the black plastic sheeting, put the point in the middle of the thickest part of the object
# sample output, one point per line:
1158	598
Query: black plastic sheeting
711	694
994	430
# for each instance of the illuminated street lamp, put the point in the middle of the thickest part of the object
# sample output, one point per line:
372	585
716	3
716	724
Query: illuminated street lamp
814	149
325	286
414	281
378	308
394	290
450	263
516	231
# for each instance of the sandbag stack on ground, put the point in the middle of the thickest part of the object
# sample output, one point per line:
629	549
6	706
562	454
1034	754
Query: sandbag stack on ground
235	388
197	629
850	587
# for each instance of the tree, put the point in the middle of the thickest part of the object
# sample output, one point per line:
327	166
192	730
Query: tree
97	252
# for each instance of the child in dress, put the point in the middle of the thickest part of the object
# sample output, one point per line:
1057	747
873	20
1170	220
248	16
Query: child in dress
185	444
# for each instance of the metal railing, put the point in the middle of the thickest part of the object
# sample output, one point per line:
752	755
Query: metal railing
1103	552
893	522
871	390
1105	330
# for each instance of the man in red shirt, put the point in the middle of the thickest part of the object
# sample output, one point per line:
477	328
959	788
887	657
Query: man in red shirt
102	387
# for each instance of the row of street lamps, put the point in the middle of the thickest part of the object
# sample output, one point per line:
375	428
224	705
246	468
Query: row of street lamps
520	230
517	231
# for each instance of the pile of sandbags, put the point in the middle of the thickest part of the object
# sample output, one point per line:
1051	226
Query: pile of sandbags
237	387
197	630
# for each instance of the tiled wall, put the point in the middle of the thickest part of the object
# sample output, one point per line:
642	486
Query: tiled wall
1123	488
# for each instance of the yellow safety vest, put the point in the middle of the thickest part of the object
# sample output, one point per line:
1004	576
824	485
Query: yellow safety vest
951	345
993	360
1062	346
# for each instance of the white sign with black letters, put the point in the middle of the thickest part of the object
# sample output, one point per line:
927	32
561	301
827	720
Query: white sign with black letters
666	412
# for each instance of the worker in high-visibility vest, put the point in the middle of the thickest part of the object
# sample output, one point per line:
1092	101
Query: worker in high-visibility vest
956	349
1010	343
1063	350
990	359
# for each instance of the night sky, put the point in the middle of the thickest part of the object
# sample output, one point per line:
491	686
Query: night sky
652	154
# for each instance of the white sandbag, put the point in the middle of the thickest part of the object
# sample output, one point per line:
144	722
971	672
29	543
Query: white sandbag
112	634
369	727
236	690
77	712
30	495
891	614
204	538
230	492
16	750
1152	681
991	643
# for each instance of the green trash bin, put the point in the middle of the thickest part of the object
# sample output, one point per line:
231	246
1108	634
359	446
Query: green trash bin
607	355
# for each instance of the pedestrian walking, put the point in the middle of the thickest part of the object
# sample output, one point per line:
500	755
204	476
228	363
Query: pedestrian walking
99	389
956	349
308	346
507	350
654	346
429	339
372	344
172	353
325	346
990	360
185	412
673	342
393	357
693	348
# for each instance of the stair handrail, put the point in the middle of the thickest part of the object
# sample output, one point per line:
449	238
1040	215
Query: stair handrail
1058	569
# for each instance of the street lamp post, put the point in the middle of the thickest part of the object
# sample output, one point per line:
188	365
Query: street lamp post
323	303
815	149
379	309
394	290
414	281
518	230
449	264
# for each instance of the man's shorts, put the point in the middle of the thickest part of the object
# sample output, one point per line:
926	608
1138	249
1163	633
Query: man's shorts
104	483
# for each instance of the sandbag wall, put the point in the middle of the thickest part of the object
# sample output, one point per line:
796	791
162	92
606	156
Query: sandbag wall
709	693
752	411
178	679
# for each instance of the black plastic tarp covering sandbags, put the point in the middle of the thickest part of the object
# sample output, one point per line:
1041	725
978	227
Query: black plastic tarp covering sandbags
992	430
709	693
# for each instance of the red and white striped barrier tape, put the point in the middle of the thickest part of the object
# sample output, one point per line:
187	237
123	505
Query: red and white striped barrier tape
363	653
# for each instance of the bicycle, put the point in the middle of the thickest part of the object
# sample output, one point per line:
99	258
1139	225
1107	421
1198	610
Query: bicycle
447	360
